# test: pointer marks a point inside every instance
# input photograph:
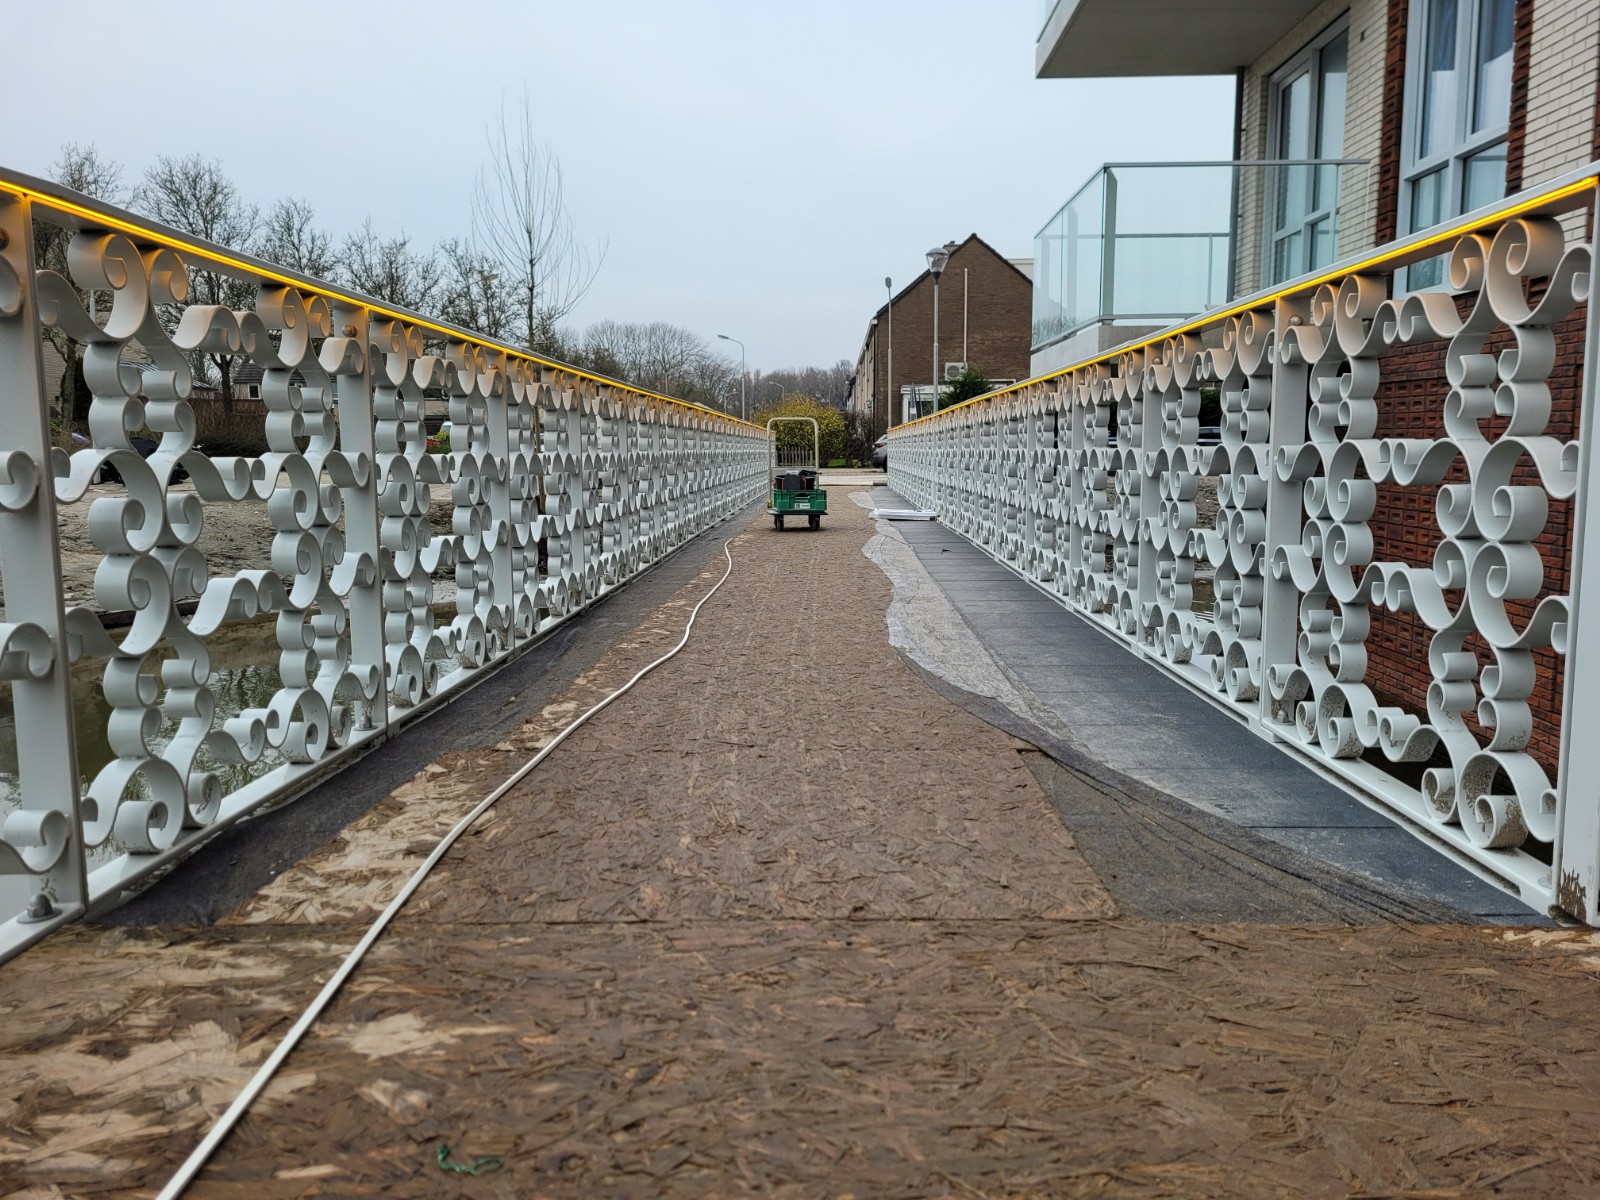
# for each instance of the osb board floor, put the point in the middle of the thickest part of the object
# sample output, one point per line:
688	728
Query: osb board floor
785	922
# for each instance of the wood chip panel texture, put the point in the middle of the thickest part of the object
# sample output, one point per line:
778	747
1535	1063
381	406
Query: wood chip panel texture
715	949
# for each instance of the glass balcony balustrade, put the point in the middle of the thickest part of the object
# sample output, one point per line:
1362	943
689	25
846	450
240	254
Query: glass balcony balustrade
1142	245
1047	9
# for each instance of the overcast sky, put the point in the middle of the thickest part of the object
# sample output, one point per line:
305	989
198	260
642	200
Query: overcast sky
758	167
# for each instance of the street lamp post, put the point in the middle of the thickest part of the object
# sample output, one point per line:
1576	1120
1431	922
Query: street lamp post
743	413
937	258
888	373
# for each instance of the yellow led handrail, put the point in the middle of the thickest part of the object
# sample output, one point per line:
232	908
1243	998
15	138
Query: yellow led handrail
84	209
1406	250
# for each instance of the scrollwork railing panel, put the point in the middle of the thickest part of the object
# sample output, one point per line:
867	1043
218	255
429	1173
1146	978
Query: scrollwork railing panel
1370	547
559	487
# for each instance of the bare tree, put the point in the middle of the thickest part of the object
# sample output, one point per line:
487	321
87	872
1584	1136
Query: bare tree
828	384
390	270
193	194
661	357
81	168
520	218
475	294
290	238
604	347
714	382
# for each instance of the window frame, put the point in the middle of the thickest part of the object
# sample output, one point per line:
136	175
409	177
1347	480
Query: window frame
1453	158
1306	60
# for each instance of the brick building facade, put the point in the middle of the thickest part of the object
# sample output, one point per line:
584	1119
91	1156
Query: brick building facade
985	305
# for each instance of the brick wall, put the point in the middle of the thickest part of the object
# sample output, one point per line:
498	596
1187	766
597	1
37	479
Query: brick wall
1387	182
999	322
1406	530
1521	59
1363	128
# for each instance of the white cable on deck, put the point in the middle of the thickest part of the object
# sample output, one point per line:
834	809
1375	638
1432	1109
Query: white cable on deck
202	1153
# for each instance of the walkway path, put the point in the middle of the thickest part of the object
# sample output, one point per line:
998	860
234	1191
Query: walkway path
1130	716
786	921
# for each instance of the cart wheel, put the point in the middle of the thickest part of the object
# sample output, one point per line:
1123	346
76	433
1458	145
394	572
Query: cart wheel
777	523
816	522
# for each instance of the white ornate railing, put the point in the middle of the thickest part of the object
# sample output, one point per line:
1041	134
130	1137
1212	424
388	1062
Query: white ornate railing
564	486
1402	487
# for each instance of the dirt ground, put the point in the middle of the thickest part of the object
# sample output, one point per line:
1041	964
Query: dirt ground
784	921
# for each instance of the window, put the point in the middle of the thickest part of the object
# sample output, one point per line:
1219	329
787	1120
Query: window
1458	108
1307	122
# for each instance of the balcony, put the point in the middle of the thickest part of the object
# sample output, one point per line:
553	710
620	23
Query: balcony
1099	38
1141	245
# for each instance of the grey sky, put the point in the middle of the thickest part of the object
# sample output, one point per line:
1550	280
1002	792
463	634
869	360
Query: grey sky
758	167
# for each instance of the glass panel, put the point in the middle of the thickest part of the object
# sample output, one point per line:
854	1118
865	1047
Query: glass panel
1491	101
1440	85
1427	201
1171	199
1294	117
1286	255
1426	274
1153	242
1169	276
1484	178
1324	236
1331	77
1046	282
1047	9
1294	141
1085	245
1332	68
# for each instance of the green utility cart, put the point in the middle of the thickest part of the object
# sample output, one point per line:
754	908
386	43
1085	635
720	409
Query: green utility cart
793	463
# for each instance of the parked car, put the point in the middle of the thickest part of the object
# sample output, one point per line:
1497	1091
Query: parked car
880	453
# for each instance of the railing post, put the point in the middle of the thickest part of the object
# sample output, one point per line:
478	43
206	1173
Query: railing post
1286	424
356	439
1575	869
497	484
46	828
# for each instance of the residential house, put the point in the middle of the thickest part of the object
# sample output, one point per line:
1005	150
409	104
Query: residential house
984	305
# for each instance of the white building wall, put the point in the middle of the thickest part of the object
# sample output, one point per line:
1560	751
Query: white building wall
1563	58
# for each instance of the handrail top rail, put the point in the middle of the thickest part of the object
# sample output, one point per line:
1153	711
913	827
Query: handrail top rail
87	213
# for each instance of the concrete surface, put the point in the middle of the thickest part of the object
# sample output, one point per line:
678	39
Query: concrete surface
1040	660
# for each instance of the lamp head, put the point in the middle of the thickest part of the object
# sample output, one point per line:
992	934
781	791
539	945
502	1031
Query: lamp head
937	258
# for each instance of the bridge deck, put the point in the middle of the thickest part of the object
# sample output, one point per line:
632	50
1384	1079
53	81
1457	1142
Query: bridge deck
711	948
